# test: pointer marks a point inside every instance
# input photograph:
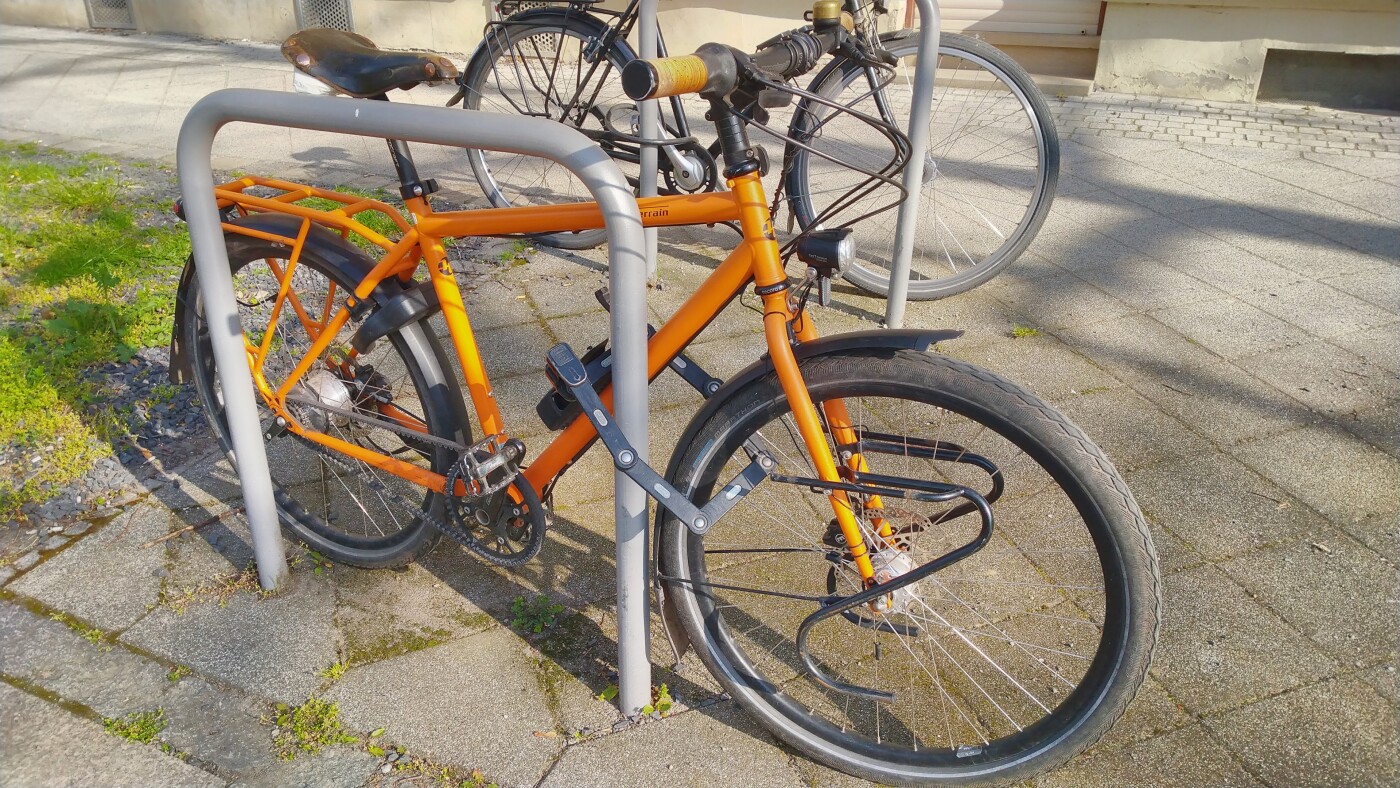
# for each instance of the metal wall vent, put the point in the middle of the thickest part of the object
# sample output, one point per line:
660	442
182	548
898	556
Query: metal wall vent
324	13
110	14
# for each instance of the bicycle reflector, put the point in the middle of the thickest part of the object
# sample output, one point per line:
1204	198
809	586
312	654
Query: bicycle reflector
830	252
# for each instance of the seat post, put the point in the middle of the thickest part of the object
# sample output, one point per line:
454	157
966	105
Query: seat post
410	185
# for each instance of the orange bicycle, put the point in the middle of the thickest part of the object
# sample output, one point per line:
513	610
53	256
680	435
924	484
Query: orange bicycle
905	566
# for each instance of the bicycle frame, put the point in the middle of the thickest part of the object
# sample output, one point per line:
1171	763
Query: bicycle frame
755	260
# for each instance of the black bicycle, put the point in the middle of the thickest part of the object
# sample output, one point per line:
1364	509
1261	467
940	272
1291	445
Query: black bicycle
989	175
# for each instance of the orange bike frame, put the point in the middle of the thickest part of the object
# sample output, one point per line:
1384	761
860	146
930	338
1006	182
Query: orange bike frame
755	260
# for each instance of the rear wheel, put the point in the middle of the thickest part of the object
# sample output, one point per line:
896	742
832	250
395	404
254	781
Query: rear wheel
542	70
989	176
341	507
1003	664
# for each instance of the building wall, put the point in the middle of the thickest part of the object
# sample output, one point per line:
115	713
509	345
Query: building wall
44	13
1215	49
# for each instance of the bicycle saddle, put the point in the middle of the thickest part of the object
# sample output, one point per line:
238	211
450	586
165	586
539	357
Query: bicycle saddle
356	67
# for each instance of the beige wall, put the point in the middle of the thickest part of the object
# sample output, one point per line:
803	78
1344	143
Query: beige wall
1215	49
258	20
45	13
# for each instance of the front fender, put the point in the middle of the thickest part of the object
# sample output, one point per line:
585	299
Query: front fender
920	339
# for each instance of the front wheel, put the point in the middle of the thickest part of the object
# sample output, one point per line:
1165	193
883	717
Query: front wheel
1002	665
989	174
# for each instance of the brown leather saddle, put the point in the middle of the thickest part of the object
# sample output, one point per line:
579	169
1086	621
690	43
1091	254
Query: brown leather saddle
352	64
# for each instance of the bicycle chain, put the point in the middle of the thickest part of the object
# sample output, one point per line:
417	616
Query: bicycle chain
458	535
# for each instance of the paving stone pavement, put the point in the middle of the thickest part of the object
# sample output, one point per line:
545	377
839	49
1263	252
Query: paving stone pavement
1218	305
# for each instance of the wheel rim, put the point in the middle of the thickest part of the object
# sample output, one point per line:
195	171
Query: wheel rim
982	200
920	732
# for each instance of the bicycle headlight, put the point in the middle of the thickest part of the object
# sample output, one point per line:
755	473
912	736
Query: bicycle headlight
830	252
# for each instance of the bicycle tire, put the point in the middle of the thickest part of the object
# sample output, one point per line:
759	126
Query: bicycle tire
986	602
539	181
992	140
311	492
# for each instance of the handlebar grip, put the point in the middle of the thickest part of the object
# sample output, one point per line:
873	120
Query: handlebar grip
664	76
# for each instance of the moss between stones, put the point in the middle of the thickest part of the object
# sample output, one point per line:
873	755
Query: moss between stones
393	644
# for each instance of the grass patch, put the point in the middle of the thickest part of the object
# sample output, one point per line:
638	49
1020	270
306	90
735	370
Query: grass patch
142	727
374	220
1019	331
86	277
308	728
176	673
334	672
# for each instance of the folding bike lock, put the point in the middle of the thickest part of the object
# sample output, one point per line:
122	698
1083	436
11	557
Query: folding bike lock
568	369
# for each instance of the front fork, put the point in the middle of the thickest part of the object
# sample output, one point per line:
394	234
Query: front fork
771	283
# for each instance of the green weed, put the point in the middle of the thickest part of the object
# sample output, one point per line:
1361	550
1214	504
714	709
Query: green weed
334	671
176	673
308	728
1024	332
141	727
535	615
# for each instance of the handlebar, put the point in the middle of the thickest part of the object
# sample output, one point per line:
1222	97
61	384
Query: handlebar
716	69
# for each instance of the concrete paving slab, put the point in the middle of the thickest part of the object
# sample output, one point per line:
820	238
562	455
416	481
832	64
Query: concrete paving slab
1297	305
60	748
1383	679
1146	284
1220	649
1222	402
271	647
1334	590
1042	364
1232	269
1137	347
1352	482
1355	724
1379	287
334	766
1231	328
1325	378
1054	302
383	614
1157	763
1130	430
483	711
713	746
1378	426
1315	257
1217	506
130	575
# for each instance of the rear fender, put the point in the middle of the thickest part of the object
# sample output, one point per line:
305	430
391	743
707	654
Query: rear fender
348	261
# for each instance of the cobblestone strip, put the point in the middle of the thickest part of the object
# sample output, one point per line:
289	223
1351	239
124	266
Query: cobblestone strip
1266	126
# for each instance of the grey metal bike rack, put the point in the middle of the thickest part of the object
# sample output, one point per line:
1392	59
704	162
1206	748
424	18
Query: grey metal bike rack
442	126
920	113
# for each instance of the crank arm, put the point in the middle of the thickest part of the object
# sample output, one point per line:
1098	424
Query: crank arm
841	607
572	373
